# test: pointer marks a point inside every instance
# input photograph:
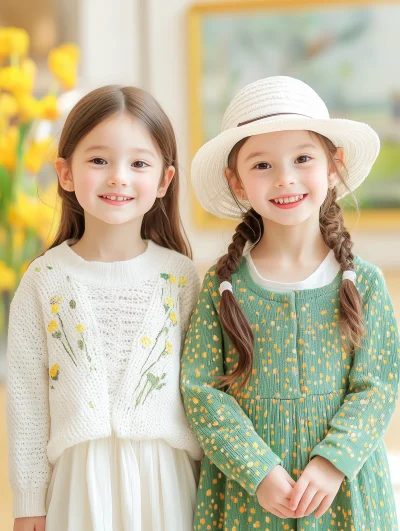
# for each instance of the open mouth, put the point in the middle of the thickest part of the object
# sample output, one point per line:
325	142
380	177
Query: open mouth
289	201
116	199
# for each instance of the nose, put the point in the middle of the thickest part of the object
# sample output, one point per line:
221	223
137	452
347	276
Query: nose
284	177
117	180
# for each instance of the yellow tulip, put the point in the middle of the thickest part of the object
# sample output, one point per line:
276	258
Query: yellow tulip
7	277
22	214
37	154
29	66
28	107
8	148
72	50
13	41
48	108
15	80
19	239
8	105
3	44
63	63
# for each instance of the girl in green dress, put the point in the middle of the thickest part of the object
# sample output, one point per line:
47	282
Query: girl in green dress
290	369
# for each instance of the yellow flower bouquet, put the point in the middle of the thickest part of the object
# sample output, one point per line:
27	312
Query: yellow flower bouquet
26	220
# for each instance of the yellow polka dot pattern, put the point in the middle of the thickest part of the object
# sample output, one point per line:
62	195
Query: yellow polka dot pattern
307	396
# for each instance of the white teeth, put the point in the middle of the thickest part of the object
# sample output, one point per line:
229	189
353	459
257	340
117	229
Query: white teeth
115	198
287	200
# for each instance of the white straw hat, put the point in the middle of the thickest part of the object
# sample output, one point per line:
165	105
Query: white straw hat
277	104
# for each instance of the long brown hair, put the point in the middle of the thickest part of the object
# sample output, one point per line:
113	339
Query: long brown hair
251	230
162	224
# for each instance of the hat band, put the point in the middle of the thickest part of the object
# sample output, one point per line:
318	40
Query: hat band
269	116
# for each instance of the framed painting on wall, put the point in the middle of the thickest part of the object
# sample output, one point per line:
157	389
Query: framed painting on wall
346	50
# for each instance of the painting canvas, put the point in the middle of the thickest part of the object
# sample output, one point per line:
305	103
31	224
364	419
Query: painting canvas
347	52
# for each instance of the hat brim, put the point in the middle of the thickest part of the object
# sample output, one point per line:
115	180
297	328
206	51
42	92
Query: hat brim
360	144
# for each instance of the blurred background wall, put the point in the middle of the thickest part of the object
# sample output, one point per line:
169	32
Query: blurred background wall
148	43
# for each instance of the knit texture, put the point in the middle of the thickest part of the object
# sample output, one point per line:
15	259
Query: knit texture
307	396
94	349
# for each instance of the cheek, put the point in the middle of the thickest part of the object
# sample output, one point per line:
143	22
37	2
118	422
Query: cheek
86	183
147	186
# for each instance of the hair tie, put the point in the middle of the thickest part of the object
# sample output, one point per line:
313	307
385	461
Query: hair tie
225	286
349	275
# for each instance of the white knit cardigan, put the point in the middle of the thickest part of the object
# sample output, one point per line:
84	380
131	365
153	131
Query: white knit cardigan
57	374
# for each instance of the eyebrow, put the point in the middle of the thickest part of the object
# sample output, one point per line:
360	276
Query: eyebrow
142	151
260	153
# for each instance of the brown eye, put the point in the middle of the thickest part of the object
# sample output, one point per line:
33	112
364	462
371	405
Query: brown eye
139	164
303	158
98	161
262	166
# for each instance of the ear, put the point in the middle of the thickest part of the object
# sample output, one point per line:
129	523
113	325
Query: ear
235	184
64	174
165	181
333	177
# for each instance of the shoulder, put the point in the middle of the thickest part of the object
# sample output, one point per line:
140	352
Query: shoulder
369	277
178	266
37	273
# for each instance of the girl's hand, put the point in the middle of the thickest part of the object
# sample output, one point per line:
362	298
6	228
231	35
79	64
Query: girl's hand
37	523
274	493
316	488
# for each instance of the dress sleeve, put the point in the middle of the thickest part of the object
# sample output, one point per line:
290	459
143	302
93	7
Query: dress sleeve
362	420
225	433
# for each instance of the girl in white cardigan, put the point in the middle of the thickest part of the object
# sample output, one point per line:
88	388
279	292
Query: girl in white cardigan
98	438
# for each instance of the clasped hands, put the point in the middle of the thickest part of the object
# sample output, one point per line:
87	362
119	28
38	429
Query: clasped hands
315	491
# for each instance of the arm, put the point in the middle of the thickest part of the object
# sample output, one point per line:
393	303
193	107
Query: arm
362	420
225	433
190	287
27	403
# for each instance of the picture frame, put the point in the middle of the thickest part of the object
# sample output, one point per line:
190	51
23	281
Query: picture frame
331	45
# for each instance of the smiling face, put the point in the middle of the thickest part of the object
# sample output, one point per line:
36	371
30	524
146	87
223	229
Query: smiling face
116	171
284	175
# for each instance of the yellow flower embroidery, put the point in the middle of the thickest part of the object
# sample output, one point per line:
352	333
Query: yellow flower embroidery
168	347
54	308
169	302
80	328
182	281
172	279
52	326
146	341
54	372
173	318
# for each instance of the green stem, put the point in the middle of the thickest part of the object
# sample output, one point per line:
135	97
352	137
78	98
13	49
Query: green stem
141	394
152	387
69	354
154	346
65	335
23	132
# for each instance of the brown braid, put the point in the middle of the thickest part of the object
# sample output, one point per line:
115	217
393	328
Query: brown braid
231	315
337	238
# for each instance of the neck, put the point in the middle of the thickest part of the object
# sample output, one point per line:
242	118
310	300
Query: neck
103	242
291	245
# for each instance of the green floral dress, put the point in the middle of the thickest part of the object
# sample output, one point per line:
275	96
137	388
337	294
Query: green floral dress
307	396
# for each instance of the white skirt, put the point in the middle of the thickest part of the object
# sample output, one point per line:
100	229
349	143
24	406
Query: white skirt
122	485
